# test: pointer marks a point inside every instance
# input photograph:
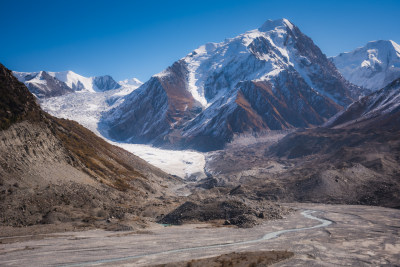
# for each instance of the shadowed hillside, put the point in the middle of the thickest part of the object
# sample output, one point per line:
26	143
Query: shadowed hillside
54	170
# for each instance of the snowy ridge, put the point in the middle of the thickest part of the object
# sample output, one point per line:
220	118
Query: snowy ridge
270	49
383	101
134	82
379	103
49	84
75	81
372	66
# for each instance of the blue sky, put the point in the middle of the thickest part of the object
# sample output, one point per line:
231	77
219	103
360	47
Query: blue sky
140	38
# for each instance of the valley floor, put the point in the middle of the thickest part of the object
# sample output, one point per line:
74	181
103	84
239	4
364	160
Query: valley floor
358	236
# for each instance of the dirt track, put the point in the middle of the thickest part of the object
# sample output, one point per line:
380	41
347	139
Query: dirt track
359	236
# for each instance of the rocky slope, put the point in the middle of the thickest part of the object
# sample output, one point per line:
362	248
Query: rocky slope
354	161
54	170
371	109
372	66
271	78
226	210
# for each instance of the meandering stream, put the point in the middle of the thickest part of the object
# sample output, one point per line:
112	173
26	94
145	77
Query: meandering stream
306	214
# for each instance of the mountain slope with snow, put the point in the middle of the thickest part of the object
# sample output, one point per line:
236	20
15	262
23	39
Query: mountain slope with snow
49	84
372	66
270	78
380	104
42	84
131	82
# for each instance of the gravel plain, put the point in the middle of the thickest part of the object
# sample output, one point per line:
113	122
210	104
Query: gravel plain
358	236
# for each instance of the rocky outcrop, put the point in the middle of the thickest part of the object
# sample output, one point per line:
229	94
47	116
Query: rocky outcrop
16	103
229	211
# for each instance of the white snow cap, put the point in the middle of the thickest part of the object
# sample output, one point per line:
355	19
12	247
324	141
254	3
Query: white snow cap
270	25
74	80
133	81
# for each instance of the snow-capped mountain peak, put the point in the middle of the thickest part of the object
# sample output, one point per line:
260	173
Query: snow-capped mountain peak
372	66
131	82
274	24
219	56
75	81
274	46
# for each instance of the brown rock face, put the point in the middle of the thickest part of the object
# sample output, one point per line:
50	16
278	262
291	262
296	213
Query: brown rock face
180	100
16	103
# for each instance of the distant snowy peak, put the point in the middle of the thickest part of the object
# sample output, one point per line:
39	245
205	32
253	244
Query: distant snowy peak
49	84
42	84
373	66
80	83
74	81
105	83
131	82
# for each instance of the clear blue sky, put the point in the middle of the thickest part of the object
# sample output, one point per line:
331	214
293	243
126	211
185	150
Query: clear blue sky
141	38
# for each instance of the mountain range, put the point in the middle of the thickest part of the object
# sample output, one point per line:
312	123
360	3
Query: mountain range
270	78
49	84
